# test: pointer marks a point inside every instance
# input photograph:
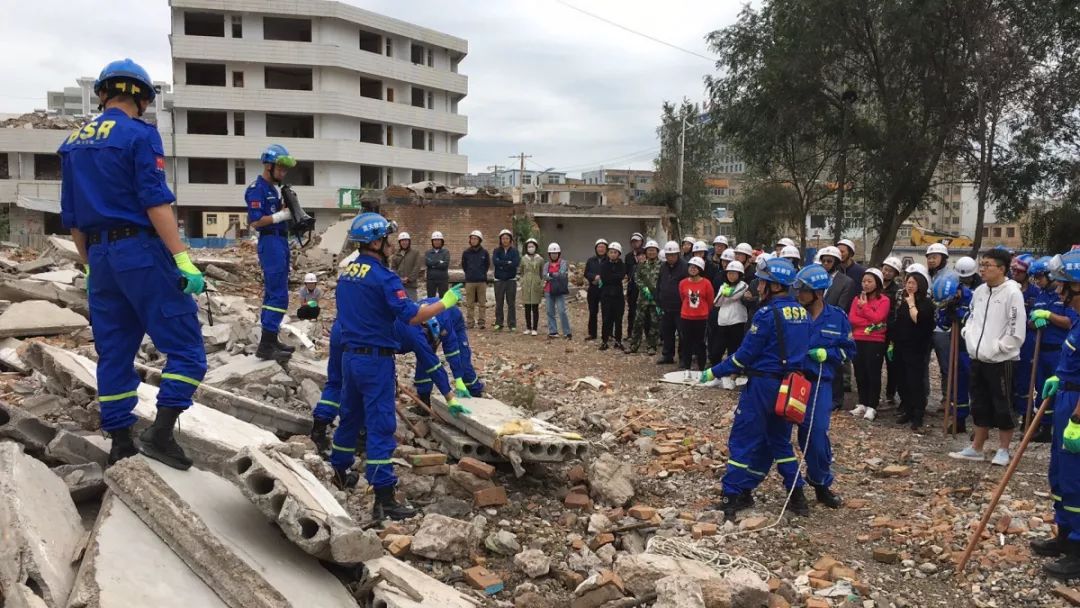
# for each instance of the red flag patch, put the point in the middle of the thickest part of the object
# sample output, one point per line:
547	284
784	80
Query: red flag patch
161	163
255	204
401	294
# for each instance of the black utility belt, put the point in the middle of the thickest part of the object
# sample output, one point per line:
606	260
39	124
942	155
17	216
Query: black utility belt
373	351
756	374
1070	386
110	235
1050	348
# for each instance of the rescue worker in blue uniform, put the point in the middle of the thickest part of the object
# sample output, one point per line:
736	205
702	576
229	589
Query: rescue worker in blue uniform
831	345
326	410
421	340
268	215
468	372
952	302
1063	388
115	201
1053	318
369	299
1020	271
440	331
758	436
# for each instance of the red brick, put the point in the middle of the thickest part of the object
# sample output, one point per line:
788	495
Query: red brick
490	497
435	469
700	530
600	540
400	546
642	512
479	577
577	474
427	460
578	501
482	470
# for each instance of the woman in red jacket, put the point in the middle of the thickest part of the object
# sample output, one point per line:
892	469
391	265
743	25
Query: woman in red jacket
868	315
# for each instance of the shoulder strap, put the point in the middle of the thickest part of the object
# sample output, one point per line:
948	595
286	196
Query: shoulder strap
780	335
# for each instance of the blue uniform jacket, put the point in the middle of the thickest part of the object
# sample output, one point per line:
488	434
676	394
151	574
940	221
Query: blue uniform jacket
759	351
1068	368
263	199
944	315
448	337
129	154
506	263
831	331
475	263
370	298
1048	299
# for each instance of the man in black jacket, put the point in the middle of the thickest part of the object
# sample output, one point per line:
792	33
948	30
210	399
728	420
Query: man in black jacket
592	276
636	249
672	271
840	294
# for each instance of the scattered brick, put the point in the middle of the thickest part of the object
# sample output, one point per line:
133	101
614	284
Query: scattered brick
856	503
1068	594
482	470
577	474
825	563
479	577
778	601
491	497
642	512
895	470
578	501
817	602
605	538
703	529
753	523
433	470
886	555
400	546
427	460
840	571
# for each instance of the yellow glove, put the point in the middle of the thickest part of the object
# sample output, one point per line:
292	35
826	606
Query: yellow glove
1071	439
193	282
452	296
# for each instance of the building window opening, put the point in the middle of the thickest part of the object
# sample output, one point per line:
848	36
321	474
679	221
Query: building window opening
204	24
282	28
205	74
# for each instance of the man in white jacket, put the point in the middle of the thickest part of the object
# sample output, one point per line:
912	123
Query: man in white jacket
993	336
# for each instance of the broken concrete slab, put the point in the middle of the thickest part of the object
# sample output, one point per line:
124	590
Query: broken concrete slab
31	431
297	334
300	368
9	355
246	369
84	481
42	527
334	238
39	318
126	564
30	266
67	277
69	448
21	596
289	495
459	445
217	335
22	290
435	593
61	248
222	537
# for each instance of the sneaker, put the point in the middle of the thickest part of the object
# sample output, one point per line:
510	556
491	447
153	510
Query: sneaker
533	332
526	332
859	410
496	327
512	329
968	453
604	345
587	338
619	346
651	352
870	414
1001	457
550	336
569	336
728	383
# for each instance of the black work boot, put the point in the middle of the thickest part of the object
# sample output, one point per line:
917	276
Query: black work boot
282	346
158	441
1051	547
345	479
604	345
1069	565
319	436
387	507
826	497
123	446
731	504
798	504
268	348
1043	435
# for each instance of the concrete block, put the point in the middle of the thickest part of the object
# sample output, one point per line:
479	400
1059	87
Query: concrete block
295	334
84	481
126	565
31	431
435	593
69	448
21	596
39	318
67	277
41	263
300	368
9	355
21	290
246	369
223	538
333	239
459	445
42	529
61	248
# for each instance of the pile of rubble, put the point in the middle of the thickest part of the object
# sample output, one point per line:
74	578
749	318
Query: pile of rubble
43	120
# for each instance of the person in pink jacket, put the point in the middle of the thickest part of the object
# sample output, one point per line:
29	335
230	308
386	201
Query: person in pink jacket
868	315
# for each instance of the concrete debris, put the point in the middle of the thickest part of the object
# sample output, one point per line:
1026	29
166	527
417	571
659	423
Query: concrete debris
309	392
222	537
678	592
84	481
590	381
246	369
295	334
62	248
216	272
611	480
300	368
69	448
32	432
459	445
502	542
40	119
39	318
42	529
443	538
533	562
22	290
31	266
67	277
9	355
289	495
335	237
218	334
434	593
21	596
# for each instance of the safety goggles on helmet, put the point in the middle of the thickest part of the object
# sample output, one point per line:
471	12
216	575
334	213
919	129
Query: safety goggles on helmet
813	277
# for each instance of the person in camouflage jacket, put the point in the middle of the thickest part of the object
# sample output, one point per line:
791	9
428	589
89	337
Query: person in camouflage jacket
647	316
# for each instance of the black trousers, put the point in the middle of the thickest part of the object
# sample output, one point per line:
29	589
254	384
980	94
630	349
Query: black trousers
669	326
991	395
724	340
631	307
612	310
594	309
436	289
692	343
912	360
892	386
532	316
868	357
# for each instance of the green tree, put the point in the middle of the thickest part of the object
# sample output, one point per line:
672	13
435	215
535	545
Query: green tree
766	212
699	157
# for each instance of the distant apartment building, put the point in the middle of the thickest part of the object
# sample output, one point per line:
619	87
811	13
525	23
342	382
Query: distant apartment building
515	178
725	184
480	180
638	183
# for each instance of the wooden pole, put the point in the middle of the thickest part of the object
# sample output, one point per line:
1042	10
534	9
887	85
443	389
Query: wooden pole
1000	489
1034	373
950	382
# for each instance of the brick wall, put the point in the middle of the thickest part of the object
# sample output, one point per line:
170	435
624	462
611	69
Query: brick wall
455	218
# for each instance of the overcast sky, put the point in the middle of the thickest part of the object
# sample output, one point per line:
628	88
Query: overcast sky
572	91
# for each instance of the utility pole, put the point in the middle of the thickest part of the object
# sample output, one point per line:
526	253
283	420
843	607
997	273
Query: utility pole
847	99
521	176
495	169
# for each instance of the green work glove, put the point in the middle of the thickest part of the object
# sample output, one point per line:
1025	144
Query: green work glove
194	282
1039	318
727	290
87	268
460	389
647	293
818	354
456	409
312	303
600	284
706	376
1040	323
1071	438
1050	387
889	352
872	328
452	296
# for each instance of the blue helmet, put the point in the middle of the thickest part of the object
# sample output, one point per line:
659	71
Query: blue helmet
777	270
370	227
946	285
813	277
1039	266
276	154
127	77
1065	267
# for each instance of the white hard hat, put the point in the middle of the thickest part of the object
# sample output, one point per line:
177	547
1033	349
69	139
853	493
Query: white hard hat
599	242
877	273
671	247
651	244
965	267
616	246
554	248
506	232
531	240
700	246
404	236
790	251
437	235
688	239
785	242
735	266
636	235
919	269
847	243
894	262
937	248
720	240
728	254
745	249
763	258
477	234
831	251
700	263
311	278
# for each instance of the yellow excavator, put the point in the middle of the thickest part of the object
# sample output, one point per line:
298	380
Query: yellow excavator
922	237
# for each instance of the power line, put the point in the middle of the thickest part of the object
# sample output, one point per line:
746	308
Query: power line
633	31
632	156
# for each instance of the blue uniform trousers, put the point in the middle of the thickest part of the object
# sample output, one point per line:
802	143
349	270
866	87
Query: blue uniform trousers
963	381
472	381
1046	367
274	261
135	291
1064	471
1022	381
367	402
758	439
326	410
819	456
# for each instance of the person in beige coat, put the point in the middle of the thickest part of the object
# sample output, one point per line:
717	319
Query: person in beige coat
406	264
532	285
